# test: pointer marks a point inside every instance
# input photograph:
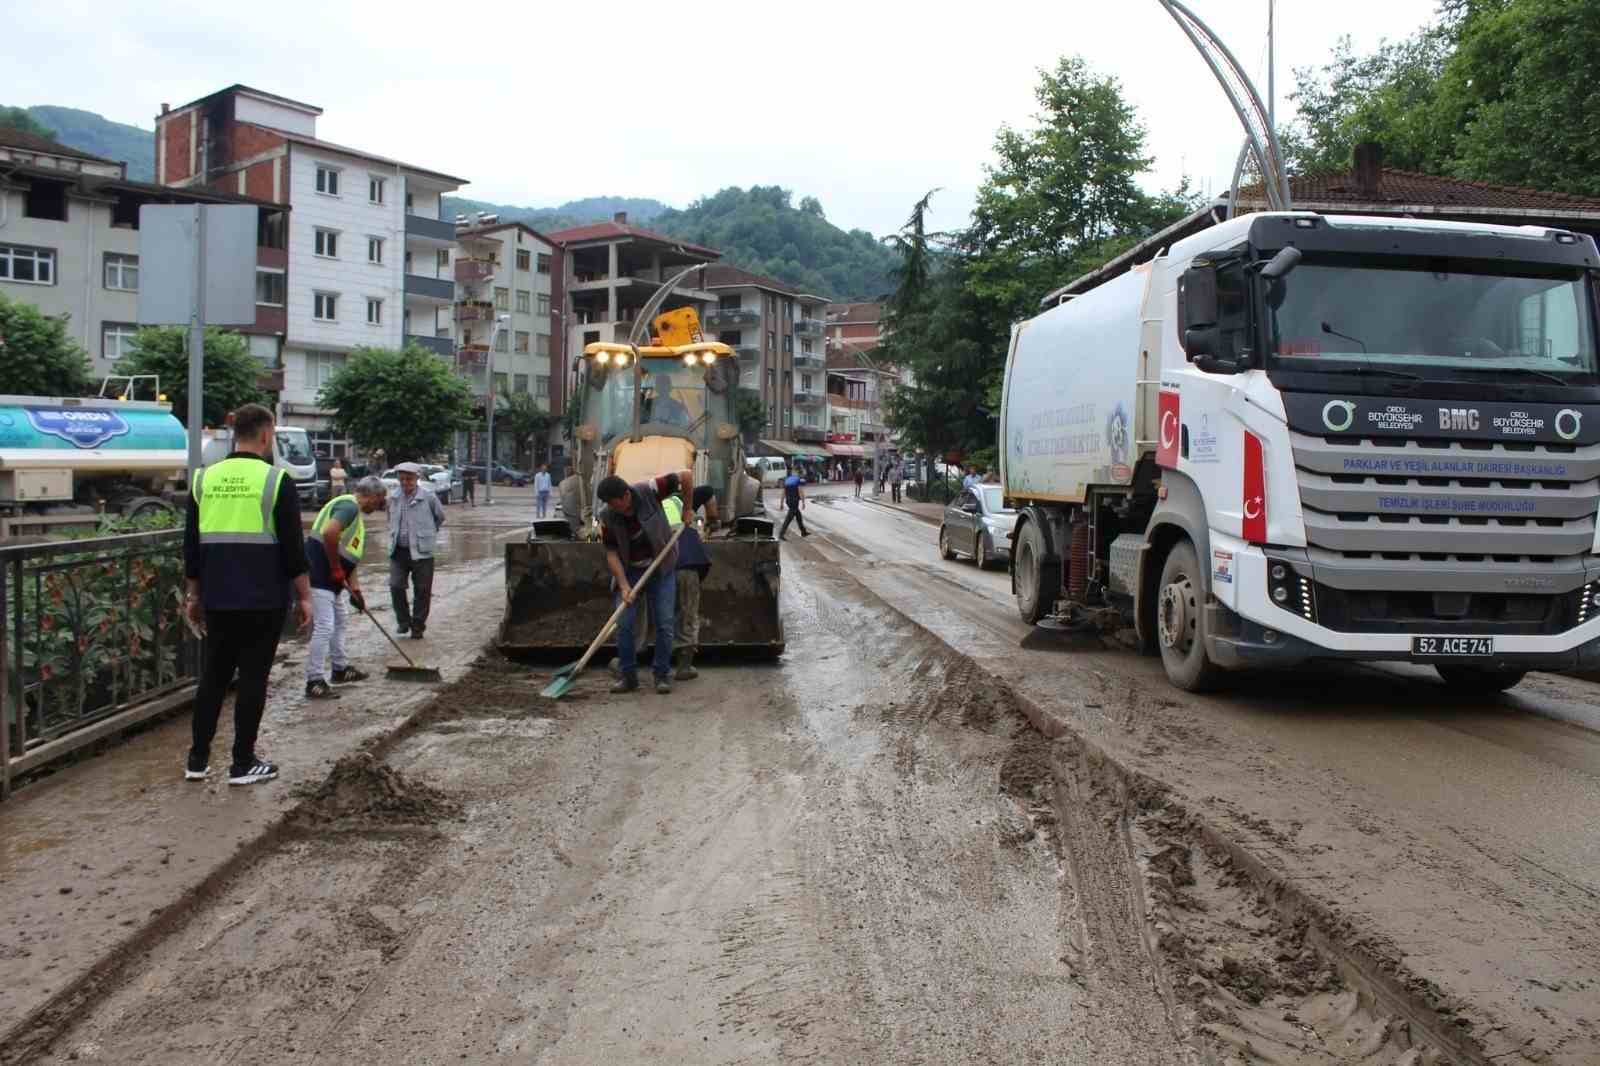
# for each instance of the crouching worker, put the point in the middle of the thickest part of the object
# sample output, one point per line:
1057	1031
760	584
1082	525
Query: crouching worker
693	564
334	549
634	529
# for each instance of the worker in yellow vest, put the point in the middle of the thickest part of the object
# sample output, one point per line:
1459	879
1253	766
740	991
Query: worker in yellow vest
335	548
243	555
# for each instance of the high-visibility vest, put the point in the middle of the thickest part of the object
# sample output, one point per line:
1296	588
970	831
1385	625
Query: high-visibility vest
236	498
674	509
353	538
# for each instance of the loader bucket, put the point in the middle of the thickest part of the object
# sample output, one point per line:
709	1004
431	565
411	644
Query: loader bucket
558	595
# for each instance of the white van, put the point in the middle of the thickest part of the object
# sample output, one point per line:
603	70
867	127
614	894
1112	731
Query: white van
769	469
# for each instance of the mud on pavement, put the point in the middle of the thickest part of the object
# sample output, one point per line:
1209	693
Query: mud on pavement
870	853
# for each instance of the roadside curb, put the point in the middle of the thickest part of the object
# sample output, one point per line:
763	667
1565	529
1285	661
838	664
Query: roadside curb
926	519
1386	981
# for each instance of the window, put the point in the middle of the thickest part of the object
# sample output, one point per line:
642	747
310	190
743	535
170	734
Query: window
324	442
772	305
524	300
375	249
805	346
322	366
327	244
524	258
522	341
325	306
544	303
541	386
805	383
542	344
45	200
115	339
544	263
443	258
728	303
328	181
788	343
374	312
502	299
772	341
125	213
270	287
788	310
122	272
375	190
410	200
272	230
501	383
499	340
519	383
33	265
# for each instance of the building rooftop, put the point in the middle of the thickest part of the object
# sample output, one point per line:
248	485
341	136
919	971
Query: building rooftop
868	312
102	184
497	227
237	88
11	137
724	276
329	146
611	231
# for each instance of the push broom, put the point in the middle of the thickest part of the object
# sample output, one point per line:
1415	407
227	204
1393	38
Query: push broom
411	671
567	676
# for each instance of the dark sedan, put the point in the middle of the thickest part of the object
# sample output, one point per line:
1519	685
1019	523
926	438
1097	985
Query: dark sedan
978	524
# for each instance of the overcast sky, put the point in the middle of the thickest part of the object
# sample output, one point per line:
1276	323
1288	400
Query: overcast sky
863	105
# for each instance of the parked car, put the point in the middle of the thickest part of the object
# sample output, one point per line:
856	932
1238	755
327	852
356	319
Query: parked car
978	524
445	484
505	475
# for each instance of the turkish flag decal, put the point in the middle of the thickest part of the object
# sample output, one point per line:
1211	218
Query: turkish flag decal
1255	491
1169	429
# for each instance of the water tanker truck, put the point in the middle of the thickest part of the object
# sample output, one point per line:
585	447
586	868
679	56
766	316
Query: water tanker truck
1297	437
67	459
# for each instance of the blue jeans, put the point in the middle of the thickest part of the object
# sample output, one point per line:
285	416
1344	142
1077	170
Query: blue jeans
544	501
661	596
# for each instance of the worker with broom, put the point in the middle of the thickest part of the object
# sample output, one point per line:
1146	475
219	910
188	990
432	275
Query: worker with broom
635	530
334	549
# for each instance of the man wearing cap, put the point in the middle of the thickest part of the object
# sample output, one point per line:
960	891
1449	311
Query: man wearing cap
243	554
414	520
334	549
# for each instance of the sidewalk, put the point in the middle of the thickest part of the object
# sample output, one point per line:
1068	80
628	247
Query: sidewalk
100	858
931	513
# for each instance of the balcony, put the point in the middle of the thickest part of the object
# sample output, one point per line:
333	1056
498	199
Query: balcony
472	357
807	398
432	230
748	353
809	327
731	318
440	346
438	290
270	380
809	360
472	271
474	311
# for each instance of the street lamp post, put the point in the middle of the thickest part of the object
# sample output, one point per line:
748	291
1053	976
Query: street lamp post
488	410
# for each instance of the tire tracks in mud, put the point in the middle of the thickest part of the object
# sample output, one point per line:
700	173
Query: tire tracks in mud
1246	966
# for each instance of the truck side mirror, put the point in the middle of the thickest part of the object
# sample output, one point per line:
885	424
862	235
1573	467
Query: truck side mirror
1197	299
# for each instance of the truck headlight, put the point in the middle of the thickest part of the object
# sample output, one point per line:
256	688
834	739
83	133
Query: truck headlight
1290	590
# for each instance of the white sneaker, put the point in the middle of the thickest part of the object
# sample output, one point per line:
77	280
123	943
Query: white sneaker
249	775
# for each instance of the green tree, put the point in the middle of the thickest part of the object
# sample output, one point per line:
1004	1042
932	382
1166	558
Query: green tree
407	403
19	119
751	412
525	421
1501	91
37	358
232	374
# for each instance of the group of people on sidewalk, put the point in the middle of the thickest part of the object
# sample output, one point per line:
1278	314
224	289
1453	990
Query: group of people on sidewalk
247	560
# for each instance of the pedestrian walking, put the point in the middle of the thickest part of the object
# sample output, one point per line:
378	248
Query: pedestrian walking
414	520
858	482
337	543
541	490
895	483
469	486
794	503
633	528
243	557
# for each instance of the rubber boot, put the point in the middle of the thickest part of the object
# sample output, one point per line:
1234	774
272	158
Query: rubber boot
686	670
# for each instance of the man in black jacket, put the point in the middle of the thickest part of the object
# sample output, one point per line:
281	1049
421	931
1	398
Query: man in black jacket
243	551
634	529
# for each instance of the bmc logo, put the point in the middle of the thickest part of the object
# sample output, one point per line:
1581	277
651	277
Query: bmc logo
1459	418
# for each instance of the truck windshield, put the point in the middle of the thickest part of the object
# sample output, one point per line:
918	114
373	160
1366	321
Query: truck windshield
1343	319
675	401
294	446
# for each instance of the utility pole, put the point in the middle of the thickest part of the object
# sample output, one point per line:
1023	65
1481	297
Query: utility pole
1272	85
197	344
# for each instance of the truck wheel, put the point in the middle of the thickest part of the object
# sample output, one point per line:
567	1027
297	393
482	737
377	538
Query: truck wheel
1037	578
1480	678
1181	621
945	551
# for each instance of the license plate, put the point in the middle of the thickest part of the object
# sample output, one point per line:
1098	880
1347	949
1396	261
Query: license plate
1452	647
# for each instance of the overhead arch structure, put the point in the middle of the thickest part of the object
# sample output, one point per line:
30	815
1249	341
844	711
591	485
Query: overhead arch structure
1261	139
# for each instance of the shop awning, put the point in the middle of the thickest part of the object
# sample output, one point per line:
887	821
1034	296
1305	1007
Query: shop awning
785	447
848	451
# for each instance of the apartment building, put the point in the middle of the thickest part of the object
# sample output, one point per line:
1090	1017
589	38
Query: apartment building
510	280
612	270
370	257
69	243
